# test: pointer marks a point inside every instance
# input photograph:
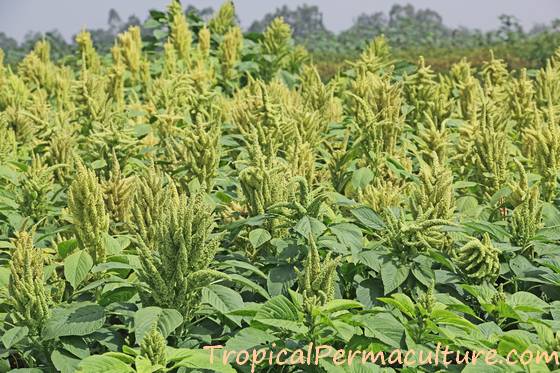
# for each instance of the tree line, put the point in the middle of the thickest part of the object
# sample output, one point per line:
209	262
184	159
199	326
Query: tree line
409	30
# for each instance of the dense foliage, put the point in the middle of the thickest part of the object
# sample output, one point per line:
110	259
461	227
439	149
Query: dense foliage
410	31
199	187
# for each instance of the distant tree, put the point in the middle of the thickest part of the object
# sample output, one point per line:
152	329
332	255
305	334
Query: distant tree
538	28
104	38
510	28
29	40
405	27
131	21
400	13
365	27
410	27
59	46
7	43
305	21
204	13
114	21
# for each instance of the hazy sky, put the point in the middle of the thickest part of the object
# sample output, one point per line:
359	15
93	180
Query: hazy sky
20	16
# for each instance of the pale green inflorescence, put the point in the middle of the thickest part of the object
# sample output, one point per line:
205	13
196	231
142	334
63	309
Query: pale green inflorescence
407	238
180	34
175	264
434	192
478	260
118	193
26	288
36	189
317	280
89	215
526	218
224	19
153	346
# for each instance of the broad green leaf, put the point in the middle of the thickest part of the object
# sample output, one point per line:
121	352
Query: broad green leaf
126	358
114	246
259	237
151	23
110	339
244	265
528	302
167	320
293	326
336	305
287	78
280	278
251	284
385	327
545	333
100	163
117	293
221	298
368	291
248	66
461	184
467	205
401	302
14	335
160	34
103	364
551	215
521	266
130	352
367	217
76	346
348	234
422	270
142	130
249	338
8	173
309	225
489	329
480	226
333	245
446	317
370	258
77	319
77	267
5	365
499	195
518	340
549	233
144	365
66	247
64	362
280	312
111	266
482	367
201	359
280	308
361	178
393	276
454	304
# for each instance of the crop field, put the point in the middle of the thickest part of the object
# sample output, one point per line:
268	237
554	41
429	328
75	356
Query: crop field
202	200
